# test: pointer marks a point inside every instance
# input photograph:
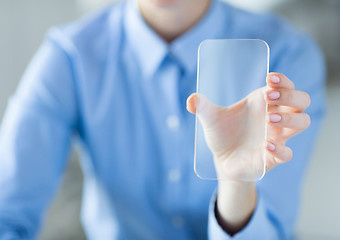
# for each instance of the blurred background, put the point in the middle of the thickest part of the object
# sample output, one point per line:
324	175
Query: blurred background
23	25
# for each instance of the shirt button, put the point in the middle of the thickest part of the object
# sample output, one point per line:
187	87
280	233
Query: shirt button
173	122
178	222
174	175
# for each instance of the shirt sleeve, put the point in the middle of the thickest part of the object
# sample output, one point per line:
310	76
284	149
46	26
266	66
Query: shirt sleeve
279	191
257	222
35	140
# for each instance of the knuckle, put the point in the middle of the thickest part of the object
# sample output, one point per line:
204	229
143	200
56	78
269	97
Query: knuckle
307	119
287	119
307	99
285	155
281	76
289	96
290	83
285	78
304	120
289	154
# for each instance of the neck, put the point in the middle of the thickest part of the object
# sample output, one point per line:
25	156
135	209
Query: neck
171	20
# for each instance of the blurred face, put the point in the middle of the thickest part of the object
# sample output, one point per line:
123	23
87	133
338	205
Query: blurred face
171	18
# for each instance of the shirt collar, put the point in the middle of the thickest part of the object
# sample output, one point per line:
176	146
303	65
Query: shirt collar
150	49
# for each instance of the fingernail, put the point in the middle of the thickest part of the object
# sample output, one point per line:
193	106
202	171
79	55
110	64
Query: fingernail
274	118
273	95
270	146
274	79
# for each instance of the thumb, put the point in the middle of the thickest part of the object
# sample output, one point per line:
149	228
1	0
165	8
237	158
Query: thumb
206	111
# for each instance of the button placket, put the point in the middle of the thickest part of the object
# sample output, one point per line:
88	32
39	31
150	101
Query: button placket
173	125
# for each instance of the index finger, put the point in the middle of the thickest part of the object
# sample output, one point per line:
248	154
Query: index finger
278	80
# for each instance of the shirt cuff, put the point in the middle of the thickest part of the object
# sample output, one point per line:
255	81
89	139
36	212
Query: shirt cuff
258	227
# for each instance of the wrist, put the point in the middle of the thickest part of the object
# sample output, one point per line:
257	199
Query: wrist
236	202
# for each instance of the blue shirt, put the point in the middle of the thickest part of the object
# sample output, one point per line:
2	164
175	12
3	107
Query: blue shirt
114	87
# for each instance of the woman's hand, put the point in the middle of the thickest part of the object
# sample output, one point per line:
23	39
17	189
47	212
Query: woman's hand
235	135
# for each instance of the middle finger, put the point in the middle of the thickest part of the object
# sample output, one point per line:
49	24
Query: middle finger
288	97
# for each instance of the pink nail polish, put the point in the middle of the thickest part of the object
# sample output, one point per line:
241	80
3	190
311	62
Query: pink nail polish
274	79
273	95
270	146
274	118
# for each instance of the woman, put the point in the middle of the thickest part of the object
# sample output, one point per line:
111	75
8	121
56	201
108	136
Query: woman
119	80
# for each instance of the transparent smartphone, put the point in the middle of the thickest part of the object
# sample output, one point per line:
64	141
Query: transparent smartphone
229	70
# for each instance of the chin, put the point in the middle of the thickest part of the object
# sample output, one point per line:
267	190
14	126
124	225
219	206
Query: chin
164	3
